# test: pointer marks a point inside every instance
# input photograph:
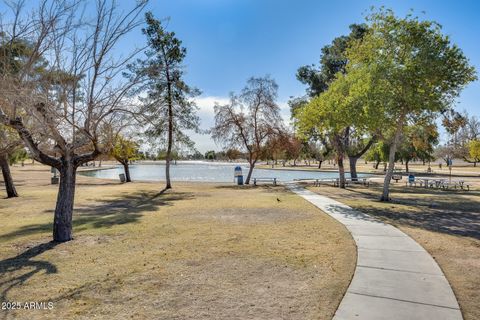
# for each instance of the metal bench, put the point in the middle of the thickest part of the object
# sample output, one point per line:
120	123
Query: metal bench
273	180
364	181
336	183
318	182
397	177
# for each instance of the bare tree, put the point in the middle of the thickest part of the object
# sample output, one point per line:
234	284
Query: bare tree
79	89
249	119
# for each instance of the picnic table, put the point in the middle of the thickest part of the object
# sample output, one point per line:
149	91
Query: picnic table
456	184
442	183
336	181
431	182
364	181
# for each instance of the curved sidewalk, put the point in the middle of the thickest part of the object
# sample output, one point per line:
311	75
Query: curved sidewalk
395	278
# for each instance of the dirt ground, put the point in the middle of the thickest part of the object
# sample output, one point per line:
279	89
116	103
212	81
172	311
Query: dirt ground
445	223
201	251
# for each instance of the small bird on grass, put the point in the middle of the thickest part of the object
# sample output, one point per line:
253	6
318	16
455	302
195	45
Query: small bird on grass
278	200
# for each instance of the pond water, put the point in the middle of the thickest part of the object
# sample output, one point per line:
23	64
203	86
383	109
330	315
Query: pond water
204	171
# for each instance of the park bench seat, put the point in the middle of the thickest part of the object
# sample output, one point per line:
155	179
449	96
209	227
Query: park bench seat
397	177
272	180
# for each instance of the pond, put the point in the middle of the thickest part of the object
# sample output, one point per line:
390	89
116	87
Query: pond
204	171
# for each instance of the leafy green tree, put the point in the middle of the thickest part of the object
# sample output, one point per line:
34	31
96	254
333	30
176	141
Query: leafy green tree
197	155
210	155
124	151
418	143
336	112
169	105
414	71
378	153
332	61
474	149
18	155
351	141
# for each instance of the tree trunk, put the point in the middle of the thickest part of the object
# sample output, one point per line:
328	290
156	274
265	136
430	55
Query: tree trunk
341	172
377	164
391	161
62	223
320	164
353	168
7	177
126	168
353	158
406	166
250	171
169	148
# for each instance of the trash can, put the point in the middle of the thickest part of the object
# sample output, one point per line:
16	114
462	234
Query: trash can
411	178
122	177
240	180
55	178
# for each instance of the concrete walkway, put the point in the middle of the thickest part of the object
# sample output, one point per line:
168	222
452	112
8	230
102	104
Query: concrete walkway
395	277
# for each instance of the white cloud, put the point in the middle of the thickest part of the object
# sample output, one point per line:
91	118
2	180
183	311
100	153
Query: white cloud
206	112
204	142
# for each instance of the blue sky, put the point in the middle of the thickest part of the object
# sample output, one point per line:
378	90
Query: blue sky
230	40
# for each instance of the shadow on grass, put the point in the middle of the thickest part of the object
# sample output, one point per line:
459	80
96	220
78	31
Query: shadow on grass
453	222
265	187
450	212
105	213
12	271
98	183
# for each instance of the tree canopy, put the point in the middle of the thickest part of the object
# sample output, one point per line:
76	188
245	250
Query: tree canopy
413	71
168	107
